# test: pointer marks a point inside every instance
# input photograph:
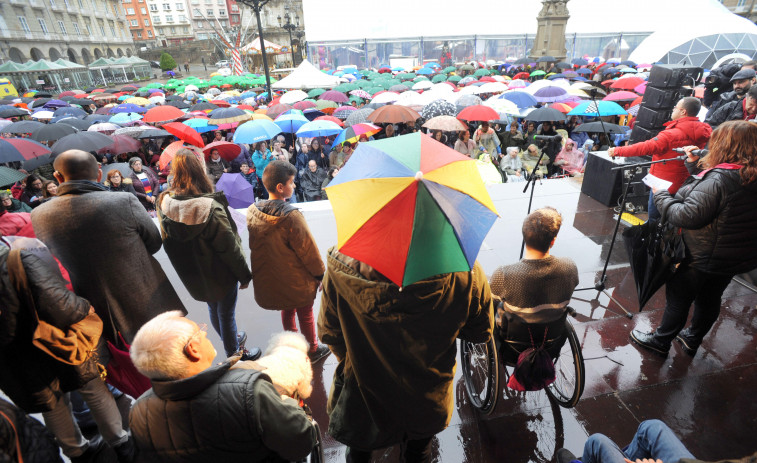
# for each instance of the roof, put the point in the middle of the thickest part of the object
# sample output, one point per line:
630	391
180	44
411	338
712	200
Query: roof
306	76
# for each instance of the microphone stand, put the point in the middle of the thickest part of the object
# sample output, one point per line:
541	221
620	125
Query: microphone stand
600	286
531	183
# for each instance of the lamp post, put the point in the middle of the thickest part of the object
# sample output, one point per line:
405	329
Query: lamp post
257	6
290	26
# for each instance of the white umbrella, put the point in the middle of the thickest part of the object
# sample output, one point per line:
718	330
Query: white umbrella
411	98
103	127
191	88
214	91
386	97
442	87
43	115
293	96
133	131
224	72
492	87
423	85
157	100
502	106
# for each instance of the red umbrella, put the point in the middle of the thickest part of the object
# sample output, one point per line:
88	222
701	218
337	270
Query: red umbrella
627	83
163	114
184	132
97	90
608	82
275	111
221	103
330	118
395	114
122	144
245	106
487	79
21	149
562	107
621	96
81	95
275	101
66	93
478	113
168	154
228	151
521	75
303	105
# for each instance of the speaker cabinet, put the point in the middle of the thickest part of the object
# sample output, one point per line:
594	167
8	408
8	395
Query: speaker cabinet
604	184
639	134
661	98
653	118
673	75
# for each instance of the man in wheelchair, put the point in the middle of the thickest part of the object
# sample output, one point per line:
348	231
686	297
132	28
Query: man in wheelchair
534	293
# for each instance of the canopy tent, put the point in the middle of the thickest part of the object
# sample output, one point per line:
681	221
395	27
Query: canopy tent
55	74
107	68
306	76
253	48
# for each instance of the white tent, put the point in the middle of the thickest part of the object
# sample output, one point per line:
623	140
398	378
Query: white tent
306	76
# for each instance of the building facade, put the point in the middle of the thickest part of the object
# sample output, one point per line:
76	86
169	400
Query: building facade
139	23
745	8
80	31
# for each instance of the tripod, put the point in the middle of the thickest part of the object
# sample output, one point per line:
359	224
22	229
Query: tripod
531	183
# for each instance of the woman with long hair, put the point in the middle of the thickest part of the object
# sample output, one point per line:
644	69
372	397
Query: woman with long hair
202	242
715	208
33	192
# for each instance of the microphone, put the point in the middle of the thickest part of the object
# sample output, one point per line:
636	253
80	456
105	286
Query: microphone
548	137
698	153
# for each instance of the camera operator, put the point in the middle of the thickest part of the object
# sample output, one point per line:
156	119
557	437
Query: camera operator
737	110
740	81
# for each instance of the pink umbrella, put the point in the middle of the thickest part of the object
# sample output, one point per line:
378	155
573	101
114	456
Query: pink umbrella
621	96
641	88
122	144
333	95
303	105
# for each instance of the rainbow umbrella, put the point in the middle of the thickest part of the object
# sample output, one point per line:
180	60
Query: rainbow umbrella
411	208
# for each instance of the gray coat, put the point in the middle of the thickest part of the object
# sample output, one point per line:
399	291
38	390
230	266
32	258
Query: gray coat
106	241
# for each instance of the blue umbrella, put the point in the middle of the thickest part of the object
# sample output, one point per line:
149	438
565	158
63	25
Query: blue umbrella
255	131
579	62
424	70
291	123
127	108
521	99
200	125
311	113
598	109
319	129
583	71
557	76
239	192
124	118
70	111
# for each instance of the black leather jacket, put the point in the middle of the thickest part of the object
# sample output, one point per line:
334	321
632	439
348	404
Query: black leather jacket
719	219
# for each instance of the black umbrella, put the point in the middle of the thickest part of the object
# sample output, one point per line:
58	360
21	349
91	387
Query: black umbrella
82	125
83	102
97	117
654	251
598	127
53	132
39	102
203	107
523	61
12	111
154	133
178	104
85	141
563	65
32	164
43	95
438	107
122	167
68	99
22	127
579	62
629	63
357	117
129	88
174	98
545	114
546	59
111	90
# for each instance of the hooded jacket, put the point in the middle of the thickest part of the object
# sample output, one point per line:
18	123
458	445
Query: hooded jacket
286	265
719	219
677	134
202	242
396	349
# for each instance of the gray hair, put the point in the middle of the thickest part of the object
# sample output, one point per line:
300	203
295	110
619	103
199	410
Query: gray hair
511	149
158	347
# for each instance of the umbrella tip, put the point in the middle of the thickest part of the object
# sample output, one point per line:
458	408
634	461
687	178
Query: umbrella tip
419	176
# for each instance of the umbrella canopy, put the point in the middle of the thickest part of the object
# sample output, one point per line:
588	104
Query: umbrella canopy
228	115
74	122
627	83
291	122
125	118
227	150
545	114
103	127
22	127
599	127
352	134
152	132
621	96
184	132
239	192
358	117
293	96
52	132
160	114
10	176
276	110
333	95
122	167
21	149
85	141
430	197
201	125
127	108
330	119
597	109
393	114
69	111
319	129
478	113
438	108
445	123
121	144
168	154
522	99
204	106
546	59
255	131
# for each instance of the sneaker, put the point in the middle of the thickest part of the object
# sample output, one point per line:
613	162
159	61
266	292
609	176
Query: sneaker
241	339
565	456
650	342
688	343
320	352
250	354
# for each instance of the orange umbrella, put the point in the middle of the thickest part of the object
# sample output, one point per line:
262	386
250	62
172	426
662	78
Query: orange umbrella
562	107
184	132
168	154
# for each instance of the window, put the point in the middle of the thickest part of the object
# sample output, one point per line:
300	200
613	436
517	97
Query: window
221	2
182	18
43	26
179	6
76	29
81	4
210	13
741	3
166	7
234	9
153	8
52	3
173	30
134	23
169	18
195	2
143	10
89	30
102	29
137	35
24	24
222	12
186	29
149	33
156	20
199	25
197	13
62	27
66	3
202	36
130	11
112	31
147	22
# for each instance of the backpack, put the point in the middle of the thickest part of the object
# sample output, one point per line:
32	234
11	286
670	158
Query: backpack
9	303
534	370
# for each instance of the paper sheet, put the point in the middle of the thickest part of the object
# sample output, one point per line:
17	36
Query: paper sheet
656	183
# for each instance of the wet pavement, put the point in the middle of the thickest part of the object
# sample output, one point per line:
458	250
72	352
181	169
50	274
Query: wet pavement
707	400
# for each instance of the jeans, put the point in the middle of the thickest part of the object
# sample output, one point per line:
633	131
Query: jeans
691	285
222	317
653	439
653	213
413	451
60	420
307	323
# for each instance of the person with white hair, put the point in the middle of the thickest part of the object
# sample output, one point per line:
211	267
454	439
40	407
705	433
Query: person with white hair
199	411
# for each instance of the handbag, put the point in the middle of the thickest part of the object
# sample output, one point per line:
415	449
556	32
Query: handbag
73	345
122	374
535	369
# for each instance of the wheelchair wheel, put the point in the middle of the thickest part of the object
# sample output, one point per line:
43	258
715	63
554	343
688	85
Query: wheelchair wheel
316	456
569	372
480	373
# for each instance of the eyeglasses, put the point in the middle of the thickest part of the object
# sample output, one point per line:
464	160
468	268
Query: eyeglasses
201	327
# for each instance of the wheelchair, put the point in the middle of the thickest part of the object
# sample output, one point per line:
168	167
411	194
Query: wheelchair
480	362
316	455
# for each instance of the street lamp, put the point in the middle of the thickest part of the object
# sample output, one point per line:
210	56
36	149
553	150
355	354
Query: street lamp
290	27
257	6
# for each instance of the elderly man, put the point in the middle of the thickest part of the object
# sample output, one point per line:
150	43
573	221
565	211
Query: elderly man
311	181
737	110
198	412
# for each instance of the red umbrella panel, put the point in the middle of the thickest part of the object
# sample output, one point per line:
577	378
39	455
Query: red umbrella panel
332	119
185	133
478	113
168	154
21	149
163	114
122	144
228	151
627	83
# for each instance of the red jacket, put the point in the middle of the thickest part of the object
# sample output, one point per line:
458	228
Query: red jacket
677	134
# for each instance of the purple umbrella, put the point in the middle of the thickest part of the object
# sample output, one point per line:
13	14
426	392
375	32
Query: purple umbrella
550	94
333	95
127	108
55	104
238	191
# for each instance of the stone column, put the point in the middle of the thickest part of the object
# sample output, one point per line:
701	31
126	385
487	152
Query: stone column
550	34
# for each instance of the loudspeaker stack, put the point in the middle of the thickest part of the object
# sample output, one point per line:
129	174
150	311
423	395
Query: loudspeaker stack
664	89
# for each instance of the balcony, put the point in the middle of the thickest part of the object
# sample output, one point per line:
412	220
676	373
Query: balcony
57	7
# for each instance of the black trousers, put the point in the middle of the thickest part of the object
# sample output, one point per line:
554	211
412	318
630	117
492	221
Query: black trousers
413	451
691	285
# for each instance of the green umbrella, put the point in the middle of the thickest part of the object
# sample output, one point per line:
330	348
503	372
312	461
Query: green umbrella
406	76
420	79
538	73
374	90
154	85
357	99
316	92
481	72
454	79
466	67
323	104
448	69
439	78
10	176
408	83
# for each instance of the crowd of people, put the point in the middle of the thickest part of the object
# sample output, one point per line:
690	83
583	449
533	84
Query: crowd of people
386	391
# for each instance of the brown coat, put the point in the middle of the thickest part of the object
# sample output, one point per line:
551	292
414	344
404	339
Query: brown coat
286	265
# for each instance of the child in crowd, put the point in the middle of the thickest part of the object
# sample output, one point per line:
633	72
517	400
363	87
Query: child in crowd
286	265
